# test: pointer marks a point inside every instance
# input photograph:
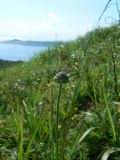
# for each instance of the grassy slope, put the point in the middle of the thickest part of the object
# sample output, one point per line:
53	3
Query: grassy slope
27	88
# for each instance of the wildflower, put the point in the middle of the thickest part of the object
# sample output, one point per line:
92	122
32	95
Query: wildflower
61	77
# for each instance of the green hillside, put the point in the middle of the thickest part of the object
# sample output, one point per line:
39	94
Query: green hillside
86	126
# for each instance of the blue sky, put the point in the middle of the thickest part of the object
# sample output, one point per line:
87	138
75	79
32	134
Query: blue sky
51	19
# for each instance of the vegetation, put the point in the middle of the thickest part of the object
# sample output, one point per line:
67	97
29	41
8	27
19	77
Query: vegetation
6	63
87	107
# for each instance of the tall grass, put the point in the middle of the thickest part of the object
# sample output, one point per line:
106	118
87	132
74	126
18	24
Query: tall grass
87	123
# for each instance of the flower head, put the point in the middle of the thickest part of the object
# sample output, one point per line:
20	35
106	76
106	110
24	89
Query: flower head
61	77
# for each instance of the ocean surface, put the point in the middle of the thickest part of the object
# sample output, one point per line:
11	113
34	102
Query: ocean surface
16	52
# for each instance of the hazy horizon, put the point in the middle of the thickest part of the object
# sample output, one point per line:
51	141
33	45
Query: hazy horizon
51	21
29	40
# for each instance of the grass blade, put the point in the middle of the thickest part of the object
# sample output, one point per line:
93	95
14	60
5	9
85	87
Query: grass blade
80	139
108	152
110	119
20	155
33	135
85	134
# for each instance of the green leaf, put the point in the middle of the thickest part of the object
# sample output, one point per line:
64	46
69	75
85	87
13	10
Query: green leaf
108	152
79	139
33	135
85	134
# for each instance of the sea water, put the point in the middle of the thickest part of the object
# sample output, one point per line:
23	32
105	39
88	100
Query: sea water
17	52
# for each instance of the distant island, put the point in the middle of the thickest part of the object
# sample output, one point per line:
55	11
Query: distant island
6	63
32	43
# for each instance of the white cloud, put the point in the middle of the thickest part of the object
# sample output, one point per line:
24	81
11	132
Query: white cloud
22	25
46	29
21	28
51	18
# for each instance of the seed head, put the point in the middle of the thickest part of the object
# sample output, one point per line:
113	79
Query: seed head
61	77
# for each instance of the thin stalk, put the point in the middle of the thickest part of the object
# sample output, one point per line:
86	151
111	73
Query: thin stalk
35	130
57	118
20	155
110	119
118	10
95	96
115	75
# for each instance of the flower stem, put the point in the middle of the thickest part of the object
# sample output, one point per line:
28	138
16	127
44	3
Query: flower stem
57	118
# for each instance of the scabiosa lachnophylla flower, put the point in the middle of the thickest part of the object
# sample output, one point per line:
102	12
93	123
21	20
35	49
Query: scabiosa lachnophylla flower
61	77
